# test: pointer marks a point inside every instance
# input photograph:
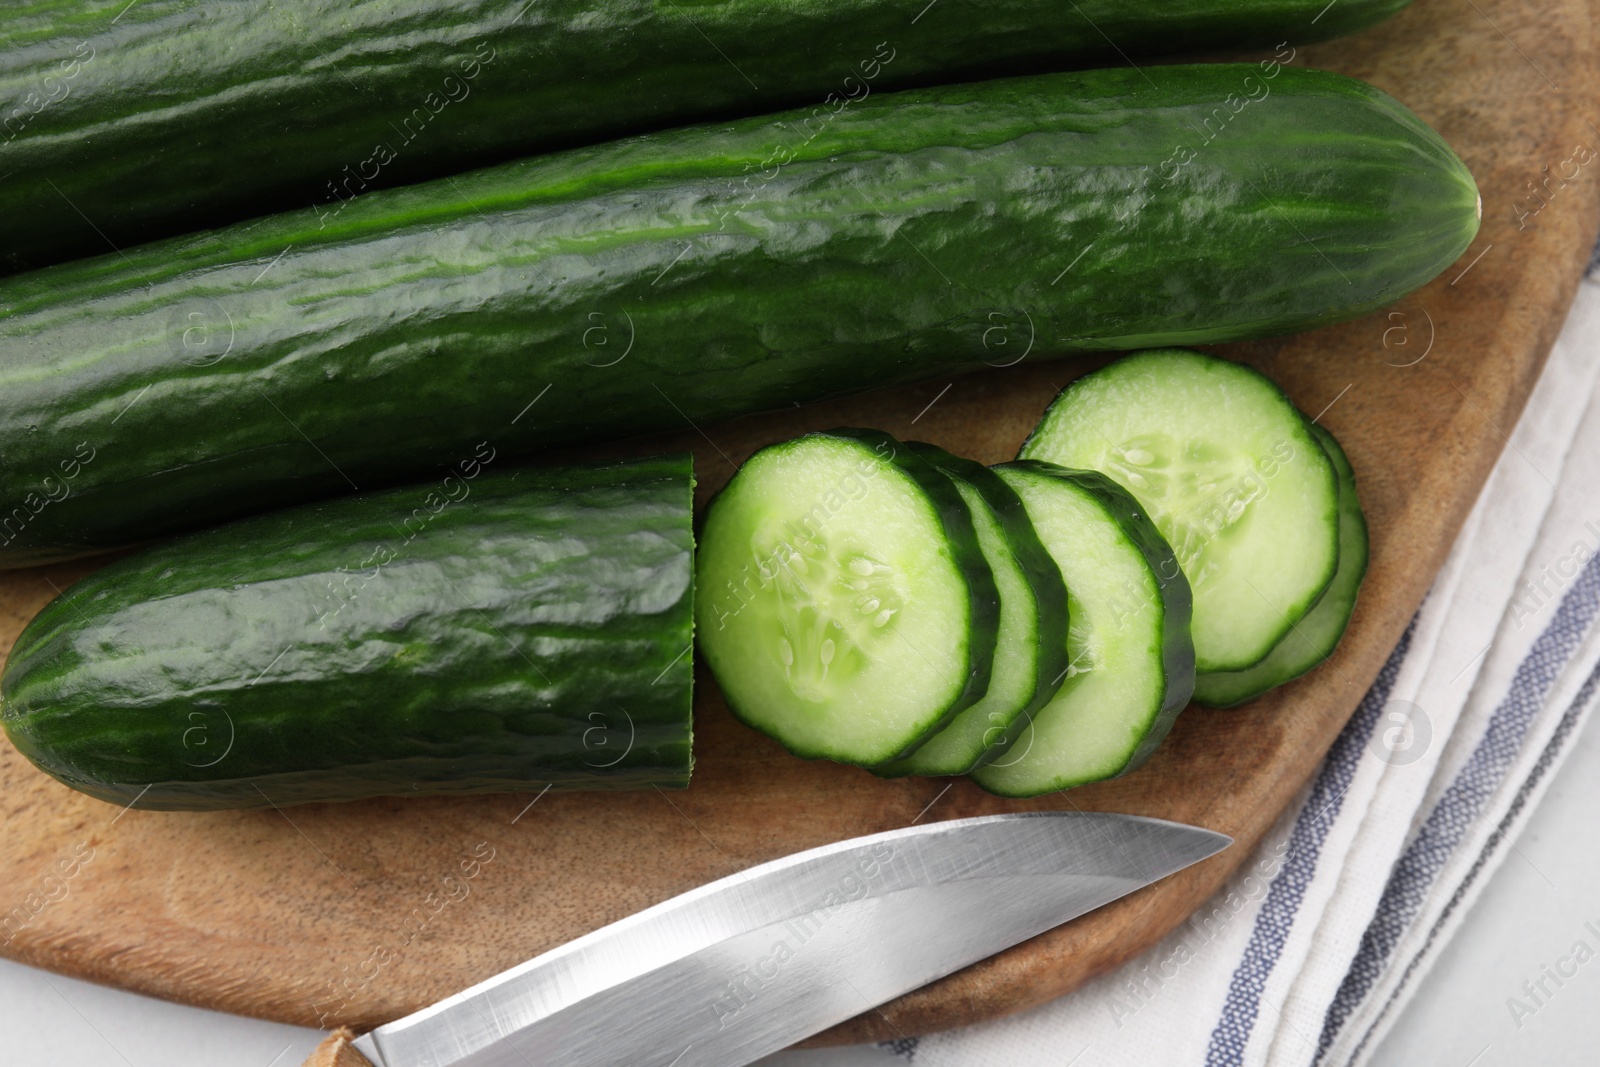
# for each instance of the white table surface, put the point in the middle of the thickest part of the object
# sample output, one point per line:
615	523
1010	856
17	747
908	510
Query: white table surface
1531	915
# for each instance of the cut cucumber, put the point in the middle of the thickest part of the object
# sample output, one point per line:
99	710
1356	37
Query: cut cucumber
1230	474
846	609
1030	659
1314	637
494	631
1131	660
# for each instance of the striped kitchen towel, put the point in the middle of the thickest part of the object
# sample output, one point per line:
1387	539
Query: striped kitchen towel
1309	952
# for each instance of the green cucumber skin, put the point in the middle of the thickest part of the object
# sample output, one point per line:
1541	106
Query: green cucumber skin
1315	636
1177	602
1044	581
651	281
532	626
109	103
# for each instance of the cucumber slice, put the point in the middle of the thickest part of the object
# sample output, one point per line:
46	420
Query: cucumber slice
1030	659
1232	477
845	607
1131	660
1314	637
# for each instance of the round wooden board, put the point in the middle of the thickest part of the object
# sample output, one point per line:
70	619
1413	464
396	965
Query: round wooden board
328	915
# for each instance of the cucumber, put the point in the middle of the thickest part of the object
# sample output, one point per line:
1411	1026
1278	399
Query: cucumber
694	275
1232	477
496	631
128	122
1030	659
1131	660
1314	637
846	608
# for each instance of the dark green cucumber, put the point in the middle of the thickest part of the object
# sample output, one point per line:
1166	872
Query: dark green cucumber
1030	659
493	632
847	610
123	122
1314	636
648	282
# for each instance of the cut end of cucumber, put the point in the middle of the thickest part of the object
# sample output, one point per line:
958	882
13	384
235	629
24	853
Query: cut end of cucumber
829	608
834	611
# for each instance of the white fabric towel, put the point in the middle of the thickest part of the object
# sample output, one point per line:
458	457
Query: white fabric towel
1309	952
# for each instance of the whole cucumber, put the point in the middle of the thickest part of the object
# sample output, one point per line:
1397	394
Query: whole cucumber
128	122
696	274
496	631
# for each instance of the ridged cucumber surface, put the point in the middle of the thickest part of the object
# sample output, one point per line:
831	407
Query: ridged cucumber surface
125	122
496	631
701	273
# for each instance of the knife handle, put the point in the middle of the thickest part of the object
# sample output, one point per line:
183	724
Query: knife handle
337	1051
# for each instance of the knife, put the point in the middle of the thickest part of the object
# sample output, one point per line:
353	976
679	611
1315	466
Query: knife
749	964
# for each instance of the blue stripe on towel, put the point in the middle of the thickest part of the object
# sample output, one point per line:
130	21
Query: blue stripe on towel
1547	758
1427	853
1277	913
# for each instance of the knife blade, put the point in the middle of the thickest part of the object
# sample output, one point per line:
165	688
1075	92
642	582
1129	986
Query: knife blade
749	964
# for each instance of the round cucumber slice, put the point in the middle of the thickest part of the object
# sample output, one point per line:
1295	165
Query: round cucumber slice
1030	659
844	605
1314	637
1131	661
1230	474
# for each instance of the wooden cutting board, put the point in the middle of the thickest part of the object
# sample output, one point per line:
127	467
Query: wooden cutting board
356	914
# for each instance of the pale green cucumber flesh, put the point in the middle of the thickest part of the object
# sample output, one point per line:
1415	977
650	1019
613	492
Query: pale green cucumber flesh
837	610
1231	476
1030	656
1131	665
1314	637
